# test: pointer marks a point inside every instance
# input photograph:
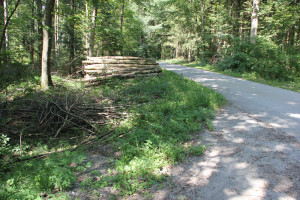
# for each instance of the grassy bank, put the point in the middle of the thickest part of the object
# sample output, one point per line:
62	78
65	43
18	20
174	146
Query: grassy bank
149	123
293	85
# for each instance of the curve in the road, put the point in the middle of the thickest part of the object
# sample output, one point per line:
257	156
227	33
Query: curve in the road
278	107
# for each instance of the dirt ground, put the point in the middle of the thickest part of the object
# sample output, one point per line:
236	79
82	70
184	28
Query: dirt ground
245	159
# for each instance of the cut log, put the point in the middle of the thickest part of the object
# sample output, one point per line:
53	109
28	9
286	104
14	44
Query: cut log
105	66
98	72
120	58
99	69
112	61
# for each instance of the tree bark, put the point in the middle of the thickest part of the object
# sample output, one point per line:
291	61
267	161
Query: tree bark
40	29
72	37
56	29
122	16
47	41
2	14
86	18
254	22
32	33
5	43
121	25
92	35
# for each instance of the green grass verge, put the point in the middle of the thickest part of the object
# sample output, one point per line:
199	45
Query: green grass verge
163	114
289	85
166	112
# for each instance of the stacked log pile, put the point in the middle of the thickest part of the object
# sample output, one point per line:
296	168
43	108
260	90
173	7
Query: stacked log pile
101	68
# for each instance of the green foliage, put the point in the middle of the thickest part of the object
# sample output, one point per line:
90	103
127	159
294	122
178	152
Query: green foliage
28	179
197	150
165	112
263	57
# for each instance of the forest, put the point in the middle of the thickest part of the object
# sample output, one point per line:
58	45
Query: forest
54	129
217	31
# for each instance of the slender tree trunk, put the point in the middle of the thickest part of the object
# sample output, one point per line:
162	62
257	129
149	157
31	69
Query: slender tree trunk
5	43
122	15
31	38
121	25
254	22
39	15
292	36
92	35
56	24
47	41
72	37
87	19
2	15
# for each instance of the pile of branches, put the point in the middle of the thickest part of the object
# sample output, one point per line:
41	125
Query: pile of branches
55	115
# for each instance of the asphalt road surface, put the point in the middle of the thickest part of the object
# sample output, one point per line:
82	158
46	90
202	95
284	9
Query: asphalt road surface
253	151
278	107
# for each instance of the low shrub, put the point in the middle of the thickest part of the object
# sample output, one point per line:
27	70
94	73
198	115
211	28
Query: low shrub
263	57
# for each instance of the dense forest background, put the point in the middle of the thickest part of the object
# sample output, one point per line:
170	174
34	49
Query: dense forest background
216	31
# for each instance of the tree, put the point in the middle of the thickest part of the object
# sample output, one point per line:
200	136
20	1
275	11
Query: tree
46	80
254	22
40	29
6	21
92	33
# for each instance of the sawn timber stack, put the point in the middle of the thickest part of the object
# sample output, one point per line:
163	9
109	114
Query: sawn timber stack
100	68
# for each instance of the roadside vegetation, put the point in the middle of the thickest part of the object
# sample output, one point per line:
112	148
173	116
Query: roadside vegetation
44	134
262	62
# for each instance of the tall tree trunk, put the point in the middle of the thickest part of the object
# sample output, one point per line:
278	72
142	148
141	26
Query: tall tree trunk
121	25
92	34
47	41
40	29
189	54
5	43
56	29
2	16
87	18
254	22
122	15
72	37
32	33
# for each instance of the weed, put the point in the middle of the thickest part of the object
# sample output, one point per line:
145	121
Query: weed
164	112
197	150
161	113
27	180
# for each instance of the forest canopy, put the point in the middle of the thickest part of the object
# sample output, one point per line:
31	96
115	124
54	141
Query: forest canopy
209	30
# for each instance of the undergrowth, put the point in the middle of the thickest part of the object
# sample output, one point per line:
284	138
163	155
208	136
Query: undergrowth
28	179
162	114
166	111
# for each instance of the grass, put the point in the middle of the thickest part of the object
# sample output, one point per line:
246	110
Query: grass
162	115
293	85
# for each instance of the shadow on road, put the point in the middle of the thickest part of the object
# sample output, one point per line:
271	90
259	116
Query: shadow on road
246	159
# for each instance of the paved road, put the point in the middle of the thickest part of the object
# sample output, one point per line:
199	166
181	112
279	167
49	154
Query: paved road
278	107
253	153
